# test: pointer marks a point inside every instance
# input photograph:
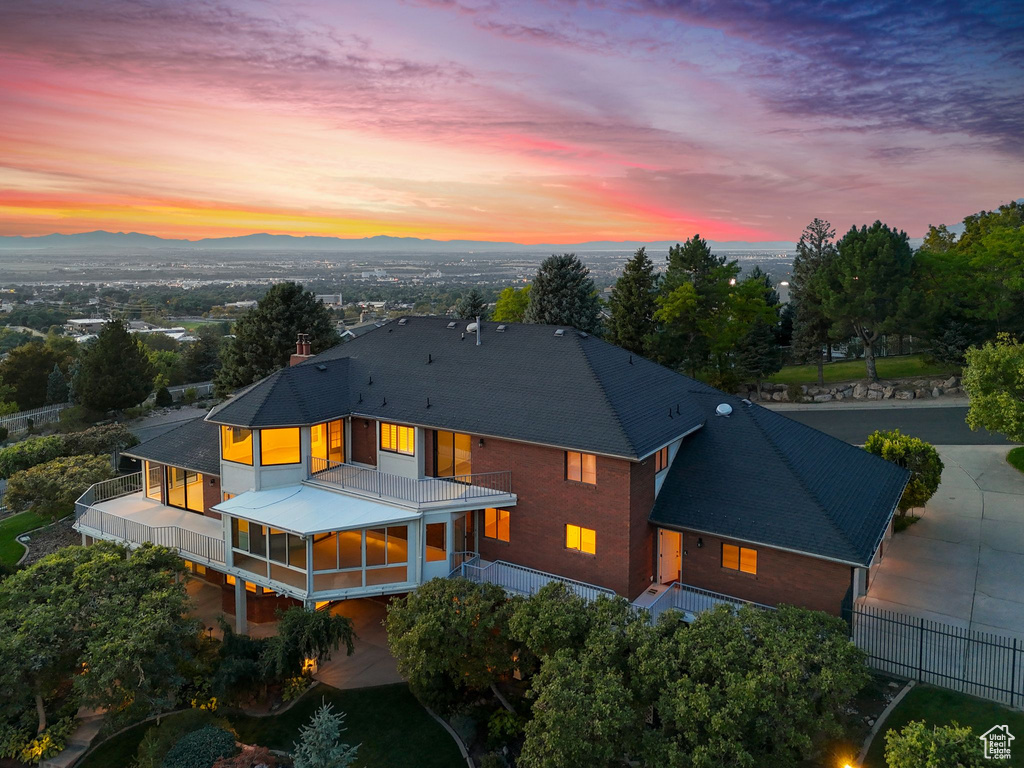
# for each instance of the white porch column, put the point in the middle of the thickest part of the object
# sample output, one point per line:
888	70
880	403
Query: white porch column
241	624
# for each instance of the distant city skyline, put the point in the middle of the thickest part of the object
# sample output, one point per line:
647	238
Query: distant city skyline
530	122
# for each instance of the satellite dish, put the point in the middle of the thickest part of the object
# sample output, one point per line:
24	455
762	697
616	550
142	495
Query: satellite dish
471	328
723	410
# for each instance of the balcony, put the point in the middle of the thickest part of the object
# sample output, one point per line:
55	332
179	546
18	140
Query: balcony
487	489
117	510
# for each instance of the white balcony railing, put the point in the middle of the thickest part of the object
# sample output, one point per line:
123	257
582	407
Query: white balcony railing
521	580
410	490
691	601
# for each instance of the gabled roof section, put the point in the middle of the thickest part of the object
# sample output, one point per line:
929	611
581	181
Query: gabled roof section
760	477
524	383
194	445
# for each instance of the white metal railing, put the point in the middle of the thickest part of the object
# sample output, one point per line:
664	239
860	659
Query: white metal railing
18	422
521	580
693	600
457	559
427	490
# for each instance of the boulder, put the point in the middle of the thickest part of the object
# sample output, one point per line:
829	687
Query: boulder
949	383
875	386
860	391
935	383
781	397
766	395
874	394
803	389
888	392
847	392
952	390
920	394
840	396
782	387
823	398
904	394
936	392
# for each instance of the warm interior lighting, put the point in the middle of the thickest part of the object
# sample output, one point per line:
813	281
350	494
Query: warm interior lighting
236	445
327	441
581	539
581	467
279	446
496	524
397	439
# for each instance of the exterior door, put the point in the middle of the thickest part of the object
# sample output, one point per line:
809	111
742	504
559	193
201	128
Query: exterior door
670	556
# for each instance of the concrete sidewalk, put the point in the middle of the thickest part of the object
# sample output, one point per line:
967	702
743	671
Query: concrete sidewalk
953	401
963	562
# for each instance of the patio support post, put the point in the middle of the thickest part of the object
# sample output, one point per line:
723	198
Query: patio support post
241	625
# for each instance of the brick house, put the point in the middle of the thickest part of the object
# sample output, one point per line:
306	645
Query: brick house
509	453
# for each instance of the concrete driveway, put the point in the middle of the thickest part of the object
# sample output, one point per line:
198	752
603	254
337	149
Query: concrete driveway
963	562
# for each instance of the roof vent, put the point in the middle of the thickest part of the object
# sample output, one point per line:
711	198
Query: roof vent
500	329
723	410
582	334
321	367
560	332
403	321
452	324
471	328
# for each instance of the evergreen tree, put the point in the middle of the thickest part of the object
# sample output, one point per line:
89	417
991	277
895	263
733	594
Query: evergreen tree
319	746
202	357
56	387
265	335
633	304
26	370
563	294
812	330
471	306
512	303
758	355
115	372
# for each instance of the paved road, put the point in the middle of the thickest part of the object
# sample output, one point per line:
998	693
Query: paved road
938	426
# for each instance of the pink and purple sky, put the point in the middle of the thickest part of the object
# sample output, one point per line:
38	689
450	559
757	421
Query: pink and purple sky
544	121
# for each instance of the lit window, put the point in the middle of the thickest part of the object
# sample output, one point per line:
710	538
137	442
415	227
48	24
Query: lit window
437	542
739	558
581	467
453	454
661	459
154	479
496	524
229	579
236	444
227	496
397	439
327	441
581	539
184	489
279	446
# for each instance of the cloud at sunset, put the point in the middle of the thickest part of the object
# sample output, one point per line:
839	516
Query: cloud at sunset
546	122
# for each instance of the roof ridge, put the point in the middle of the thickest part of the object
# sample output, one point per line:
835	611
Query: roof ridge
604	394
799	478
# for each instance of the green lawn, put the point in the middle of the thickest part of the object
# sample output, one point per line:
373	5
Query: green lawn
388	723
12	527
903	367
1016	458
937	706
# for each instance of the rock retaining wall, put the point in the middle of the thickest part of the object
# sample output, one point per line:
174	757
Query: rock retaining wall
895	389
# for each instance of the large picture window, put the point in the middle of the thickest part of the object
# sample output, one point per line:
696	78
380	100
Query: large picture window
739	558
453	454
279	446
581	467
395	438
581	539
327	441
437	542
496	524
154	479
236	445
184	489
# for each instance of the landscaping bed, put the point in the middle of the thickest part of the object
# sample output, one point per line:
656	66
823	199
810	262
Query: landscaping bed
51	538
864	710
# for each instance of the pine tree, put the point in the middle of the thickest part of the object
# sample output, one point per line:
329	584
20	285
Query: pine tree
471	306
564	294
202	357
812	330
758	355
633	305
56	387
265	335
115	372
318	745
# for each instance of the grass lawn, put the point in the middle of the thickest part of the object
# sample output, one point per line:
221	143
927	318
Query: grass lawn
1016	458
12	527
903	367
937	706
388	723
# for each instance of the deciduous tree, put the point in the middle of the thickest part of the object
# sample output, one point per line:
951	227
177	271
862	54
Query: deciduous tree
303	635
265	335
633	305
512	303
202	356
913	454
563	294
52	487
994	379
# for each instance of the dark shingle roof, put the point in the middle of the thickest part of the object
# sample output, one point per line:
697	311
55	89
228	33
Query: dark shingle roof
760	477
525	383
194	445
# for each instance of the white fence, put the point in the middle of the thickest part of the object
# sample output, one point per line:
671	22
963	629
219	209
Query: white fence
525	581
693	600
17	423
203	389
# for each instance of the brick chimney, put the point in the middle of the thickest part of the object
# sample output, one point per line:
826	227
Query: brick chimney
301	350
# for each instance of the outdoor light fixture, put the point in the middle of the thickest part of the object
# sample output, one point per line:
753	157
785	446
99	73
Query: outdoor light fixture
480	443
700	542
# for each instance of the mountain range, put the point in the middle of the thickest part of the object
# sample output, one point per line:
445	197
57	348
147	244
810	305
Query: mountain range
266	242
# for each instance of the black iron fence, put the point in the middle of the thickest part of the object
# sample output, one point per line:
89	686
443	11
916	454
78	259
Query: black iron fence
981	664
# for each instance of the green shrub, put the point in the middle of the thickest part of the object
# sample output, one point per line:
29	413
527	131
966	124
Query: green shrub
159	739
190	395
163	398
503	727
51	488
28	453
3	433
77	418
47	744
200	749
37	450
492	760
97	440
12	739
940	746
295	686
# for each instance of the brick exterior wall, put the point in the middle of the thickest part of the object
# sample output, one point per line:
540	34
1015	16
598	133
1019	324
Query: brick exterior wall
364	441
782	577
643	544
211	495
547	502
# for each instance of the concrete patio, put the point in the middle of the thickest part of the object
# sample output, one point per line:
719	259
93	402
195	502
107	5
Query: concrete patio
963	562
370	664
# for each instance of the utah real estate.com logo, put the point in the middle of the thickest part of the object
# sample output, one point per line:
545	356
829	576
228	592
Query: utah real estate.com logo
997	742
